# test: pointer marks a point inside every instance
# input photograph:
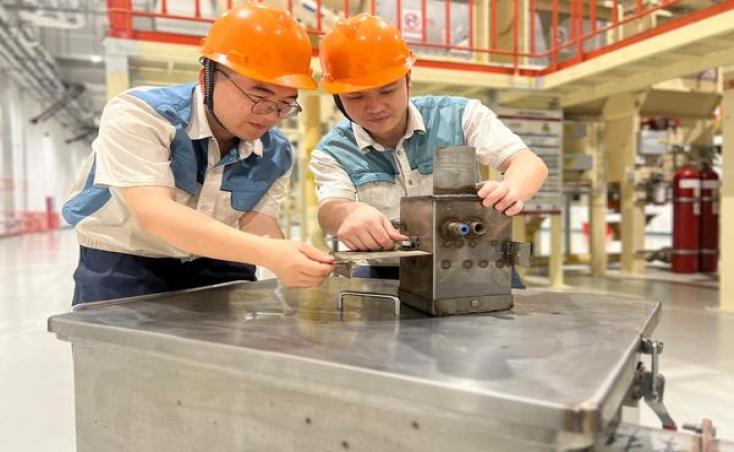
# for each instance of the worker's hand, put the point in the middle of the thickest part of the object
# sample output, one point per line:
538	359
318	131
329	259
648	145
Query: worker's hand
500	196
298	264
366	228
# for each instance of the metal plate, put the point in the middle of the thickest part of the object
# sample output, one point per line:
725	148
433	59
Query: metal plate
355	256
556	361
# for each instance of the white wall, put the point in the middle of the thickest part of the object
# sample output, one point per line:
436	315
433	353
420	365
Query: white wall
35	163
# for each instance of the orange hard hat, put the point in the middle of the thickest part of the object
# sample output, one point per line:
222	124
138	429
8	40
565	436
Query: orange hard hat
363	52
262	43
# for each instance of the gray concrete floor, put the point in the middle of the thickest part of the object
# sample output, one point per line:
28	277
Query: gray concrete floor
36	379
36	373
698	358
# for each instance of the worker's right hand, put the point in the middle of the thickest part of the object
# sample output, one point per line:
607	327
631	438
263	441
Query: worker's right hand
298	264
366	228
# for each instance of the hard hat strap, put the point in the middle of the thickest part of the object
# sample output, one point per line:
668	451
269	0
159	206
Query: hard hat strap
209	71
340	106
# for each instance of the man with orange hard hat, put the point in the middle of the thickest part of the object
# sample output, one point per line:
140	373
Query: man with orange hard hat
384	149
184	183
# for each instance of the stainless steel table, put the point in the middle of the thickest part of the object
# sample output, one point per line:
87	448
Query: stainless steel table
254	366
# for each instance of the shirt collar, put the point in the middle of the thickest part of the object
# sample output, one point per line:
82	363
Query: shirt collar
415	125
199	128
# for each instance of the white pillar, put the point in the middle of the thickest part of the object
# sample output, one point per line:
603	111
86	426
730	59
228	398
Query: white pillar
726	247
621	114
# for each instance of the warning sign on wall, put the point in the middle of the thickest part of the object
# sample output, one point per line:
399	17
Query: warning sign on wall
542	132
412	24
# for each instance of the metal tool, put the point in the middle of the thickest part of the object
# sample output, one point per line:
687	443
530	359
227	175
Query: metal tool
344	260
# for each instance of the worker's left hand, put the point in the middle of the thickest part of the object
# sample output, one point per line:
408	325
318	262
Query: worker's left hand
500	196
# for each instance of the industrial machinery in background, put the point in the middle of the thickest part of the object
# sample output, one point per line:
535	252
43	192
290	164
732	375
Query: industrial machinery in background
667	172
684	175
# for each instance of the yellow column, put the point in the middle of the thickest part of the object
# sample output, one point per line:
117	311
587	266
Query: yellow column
519	230
621	114
311	122
555	262
481	29
726	247
117	73
598	203
505	39
221	7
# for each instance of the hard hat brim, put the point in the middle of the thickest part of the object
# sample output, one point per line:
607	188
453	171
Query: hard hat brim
369	81
298	81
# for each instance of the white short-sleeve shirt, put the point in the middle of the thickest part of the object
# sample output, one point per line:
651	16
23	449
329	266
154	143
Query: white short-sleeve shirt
133	150
480	127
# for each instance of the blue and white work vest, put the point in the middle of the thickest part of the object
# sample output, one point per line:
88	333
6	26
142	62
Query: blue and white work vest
160	136
442	119
349	164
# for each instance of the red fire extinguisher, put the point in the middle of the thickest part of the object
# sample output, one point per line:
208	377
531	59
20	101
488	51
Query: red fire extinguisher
709	259
686	220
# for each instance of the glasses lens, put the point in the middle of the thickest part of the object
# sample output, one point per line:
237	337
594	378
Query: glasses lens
264	107
290	111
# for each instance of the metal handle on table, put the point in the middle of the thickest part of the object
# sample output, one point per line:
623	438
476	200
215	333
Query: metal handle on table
357	293
652	383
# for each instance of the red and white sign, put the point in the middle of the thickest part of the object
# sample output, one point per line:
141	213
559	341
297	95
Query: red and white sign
411	24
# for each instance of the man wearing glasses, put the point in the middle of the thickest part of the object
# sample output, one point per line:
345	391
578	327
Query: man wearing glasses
184	183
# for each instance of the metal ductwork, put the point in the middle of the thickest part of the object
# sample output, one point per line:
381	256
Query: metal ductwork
35	70
72	93
62	15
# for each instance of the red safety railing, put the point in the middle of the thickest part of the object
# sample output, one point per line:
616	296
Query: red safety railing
500	36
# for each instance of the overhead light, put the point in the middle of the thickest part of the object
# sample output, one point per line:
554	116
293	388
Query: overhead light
95	59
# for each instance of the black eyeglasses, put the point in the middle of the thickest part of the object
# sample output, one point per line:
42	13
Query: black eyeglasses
265	107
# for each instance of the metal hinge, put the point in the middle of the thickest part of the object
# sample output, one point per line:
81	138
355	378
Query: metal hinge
650	385
518	253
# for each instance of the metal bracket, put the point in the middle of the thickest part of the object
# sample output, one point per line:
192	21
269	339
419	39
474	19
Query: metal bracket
705	427
518	253
651	384
706	435
343	268
358	293
413	243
